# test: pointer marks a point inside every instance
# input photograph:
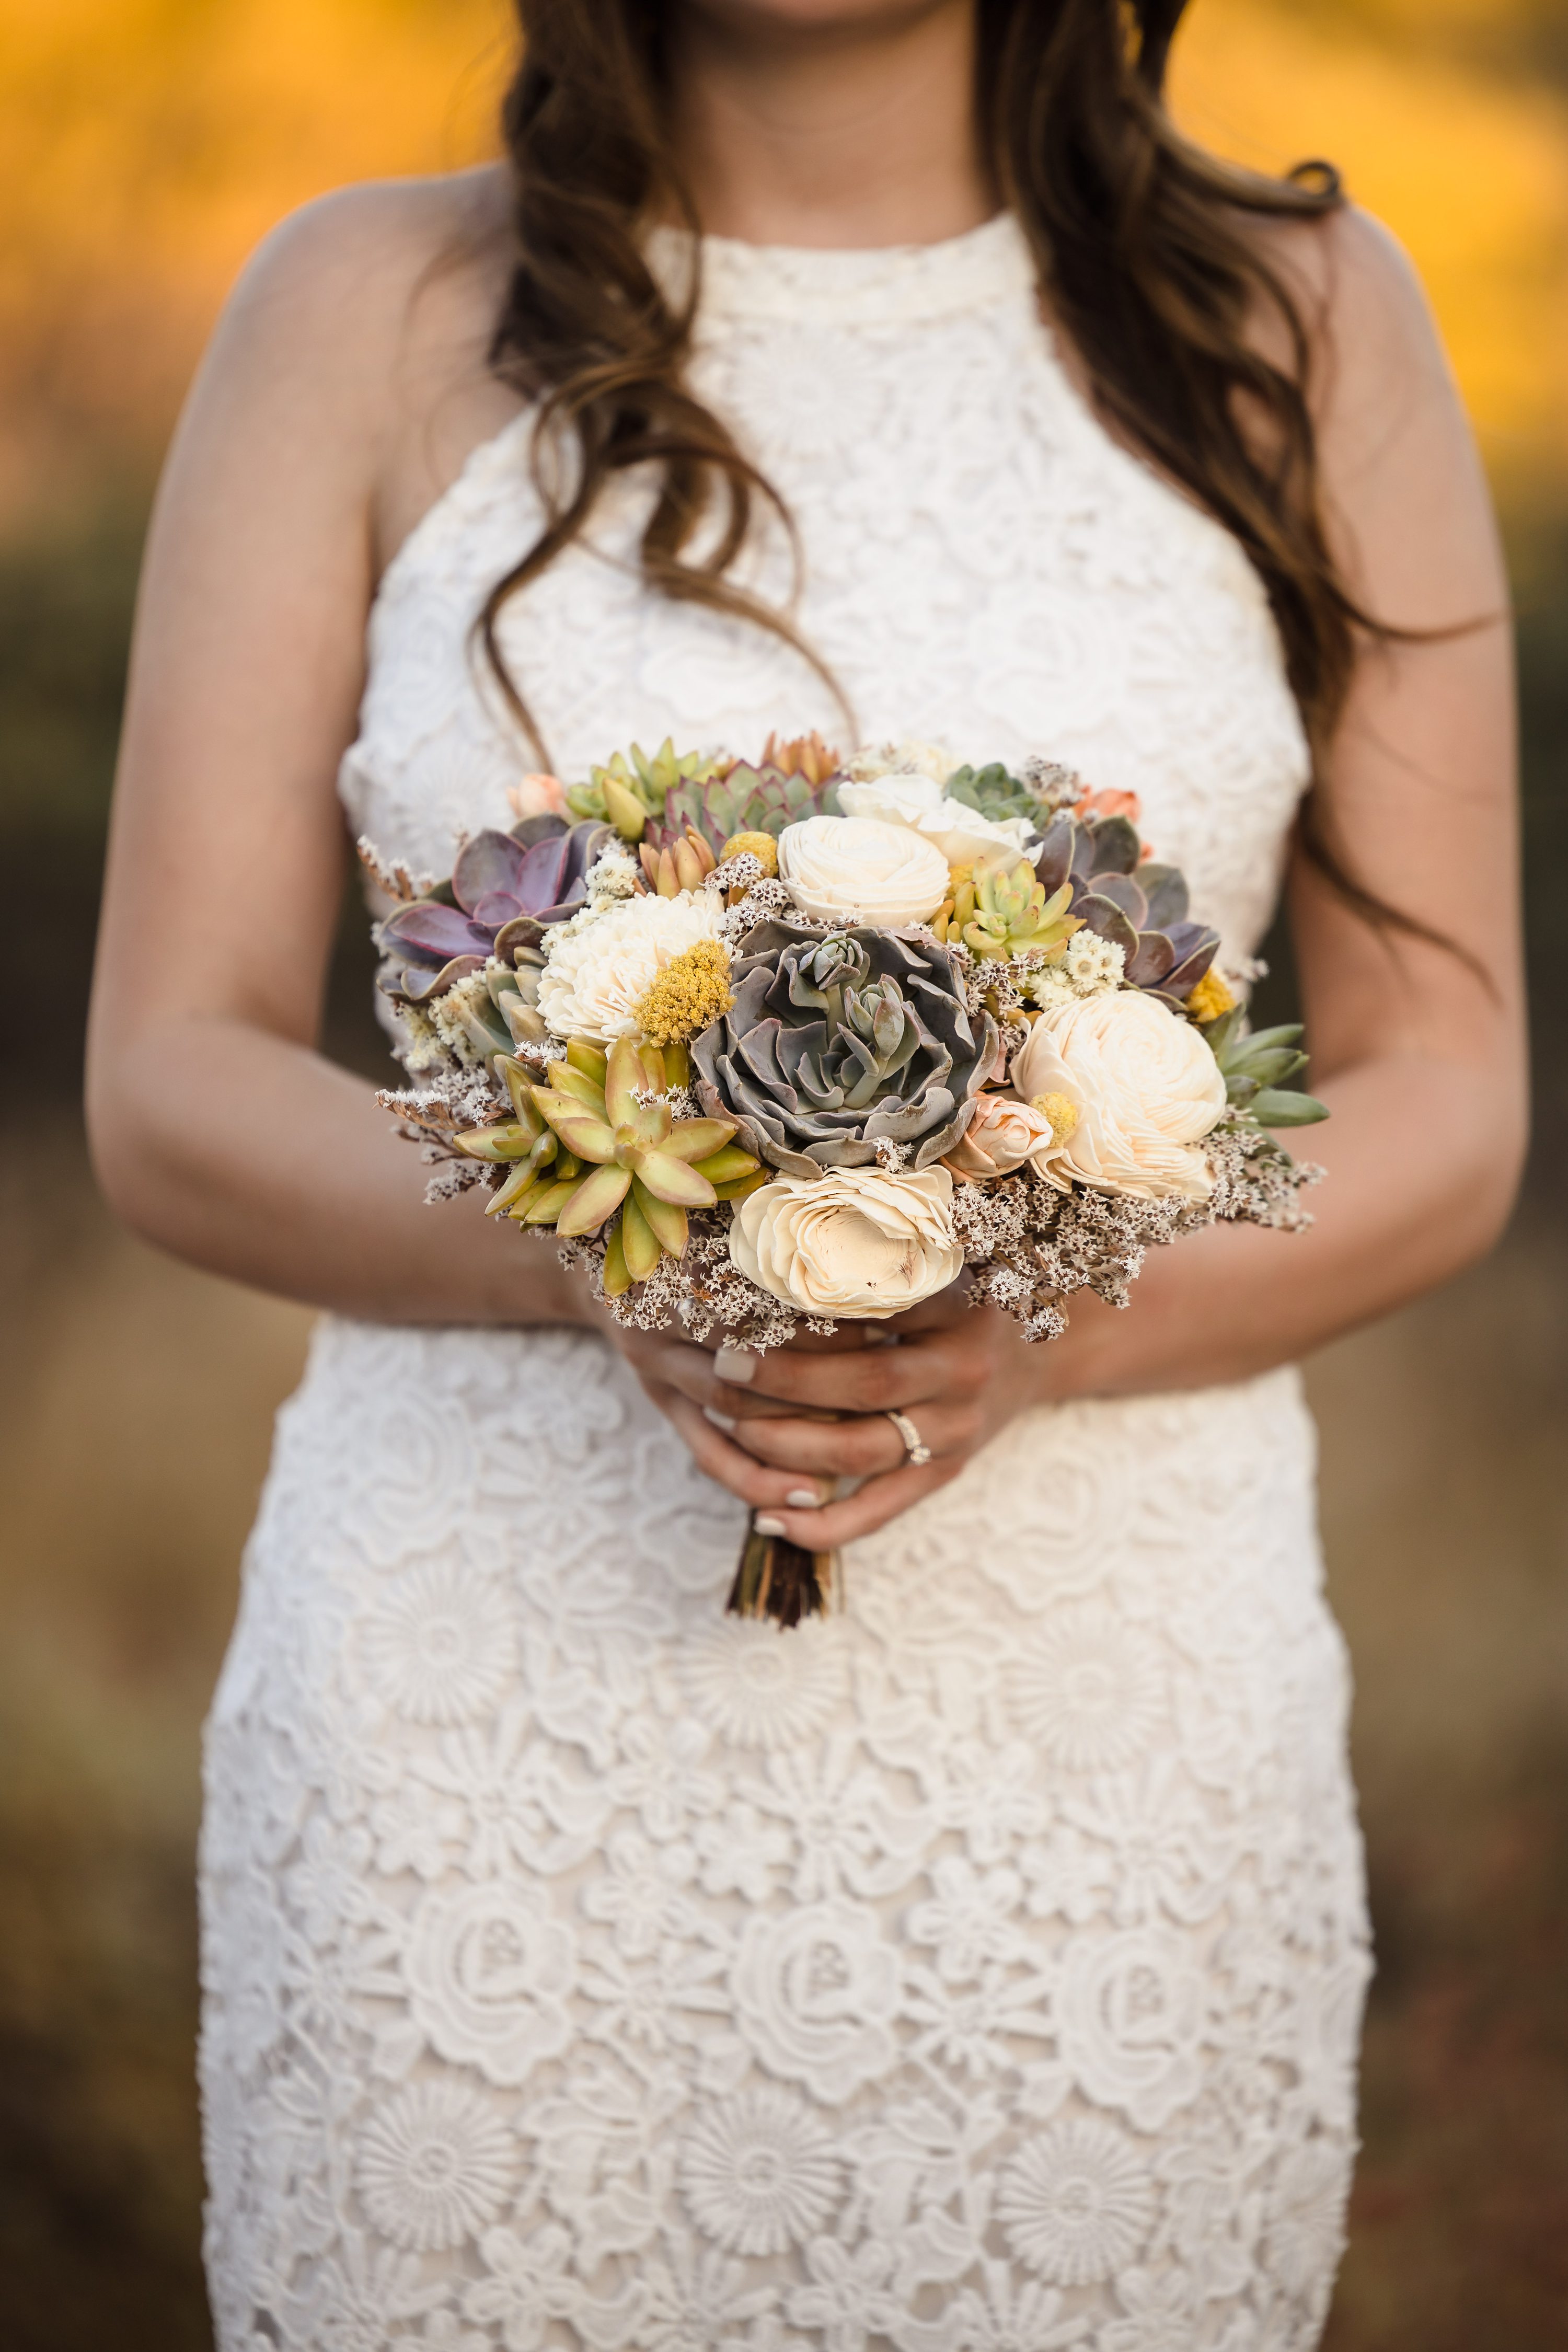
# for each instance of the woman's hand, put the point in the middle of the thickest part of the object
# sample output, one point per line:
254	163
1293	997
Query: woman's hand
779	1428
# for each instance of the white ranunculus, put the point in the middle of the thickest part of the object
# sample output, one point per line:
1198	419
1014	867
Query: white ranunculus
596	974
854	1242
1146	1088
919	801
840	869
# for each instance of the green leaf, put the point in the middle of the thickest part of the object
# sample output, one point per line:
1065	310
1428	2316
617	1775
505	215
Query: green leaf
1270	1066
594	1200
671	1180
1279	1107
638	1241
511	1141
665	1222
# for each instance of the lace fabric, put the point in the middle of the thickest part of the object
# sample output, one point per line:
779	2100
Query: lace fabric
978	1971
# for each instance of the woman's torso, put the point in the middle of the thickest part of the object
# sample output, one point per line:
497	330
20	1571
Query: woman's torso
1029	1881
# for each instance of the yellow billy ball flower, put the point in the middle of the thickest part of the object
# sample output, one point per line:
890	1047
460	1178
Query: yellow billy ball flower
692	989
1211	1000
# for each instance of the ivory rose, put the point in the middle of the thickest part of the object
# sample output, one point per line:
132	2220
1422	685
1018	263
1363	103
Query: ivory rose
1146	1088
919	801
854	1242
839	868
1002	1134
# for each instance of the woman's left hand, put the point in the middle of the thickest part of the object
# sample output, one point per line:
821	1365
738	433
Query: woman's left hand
959	1372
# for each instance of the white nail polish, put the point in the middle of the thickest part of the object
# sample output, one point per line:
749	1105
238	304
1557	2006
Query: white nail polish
736	1364
767	1526
720	1420
804	1498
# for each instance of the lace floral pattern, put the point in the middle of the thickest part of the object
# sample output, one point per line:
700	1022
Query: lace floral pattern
978	1971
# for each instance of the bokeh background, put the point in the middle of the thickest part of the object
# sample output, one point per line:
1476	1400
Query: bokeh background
144	146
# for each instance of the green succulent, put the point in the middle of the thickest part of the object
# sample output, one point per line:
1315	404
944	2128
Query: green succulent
631	788
831	1045
584	1146
995	793
998	908
1255	1067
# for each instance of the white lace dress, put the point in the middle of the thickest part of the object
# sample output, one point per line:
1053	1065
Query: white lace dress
979	1971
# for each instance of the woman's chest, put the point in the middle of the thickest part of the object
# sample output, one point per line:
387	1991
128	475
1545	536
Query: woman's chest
973	560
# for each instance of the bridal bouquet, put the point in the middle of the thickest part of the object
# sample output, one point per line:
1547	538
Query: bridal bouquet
810	1039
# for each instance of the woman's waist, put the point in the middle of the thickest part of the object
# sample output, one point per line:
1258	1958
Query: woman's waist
530	1418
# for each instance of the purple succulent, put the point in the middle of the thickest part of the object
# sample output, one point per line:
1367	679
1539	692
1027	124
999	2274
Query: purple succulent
505	888
1138	903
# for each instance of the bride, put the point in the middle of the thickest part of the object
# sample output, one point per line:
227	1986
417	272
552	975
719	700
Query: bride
982	1967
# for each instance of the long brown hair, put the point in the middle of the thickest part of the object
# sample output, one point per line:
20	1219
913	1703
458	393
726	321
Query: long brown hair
1148	252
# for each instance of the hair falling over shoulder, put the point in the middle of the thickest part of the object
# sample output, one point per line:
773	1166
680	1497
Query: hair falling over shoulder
1148	252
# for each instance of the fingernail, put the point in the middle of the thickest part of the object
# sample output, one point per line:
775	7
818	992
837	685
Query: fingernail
736	1364
720	1420
804	1498
765	1525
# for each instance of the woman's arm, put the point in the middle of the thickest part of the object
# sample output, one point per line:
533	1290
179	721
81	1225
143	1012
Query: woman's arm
340	391
1420	1052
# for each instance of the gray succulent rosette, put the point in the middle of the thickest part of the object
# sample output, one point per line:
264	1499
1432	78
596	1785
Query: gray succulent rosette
836	1043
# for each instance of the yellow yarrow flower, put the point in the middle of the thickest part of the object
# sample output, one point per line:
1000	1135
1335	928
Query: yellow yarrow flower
692	989
1211	1000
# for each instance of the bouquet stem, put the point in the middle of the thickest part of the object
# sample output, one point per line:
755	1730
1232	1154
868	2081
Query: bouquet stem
780	1580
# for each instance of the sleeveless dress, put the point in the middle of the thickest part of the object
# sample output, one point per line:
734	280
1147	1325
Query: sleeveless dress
979	1970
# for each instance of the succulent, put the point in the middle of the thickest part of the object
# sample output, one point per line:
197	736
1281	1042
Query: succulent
632	787
998	907
505	888
1138	903
587	1145
992	791
680	863
802	755
709	814
1255	1068
833	1044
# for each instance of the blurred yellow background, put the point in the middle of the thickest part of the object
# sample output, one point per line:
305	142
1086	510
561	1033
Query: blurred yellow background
144	146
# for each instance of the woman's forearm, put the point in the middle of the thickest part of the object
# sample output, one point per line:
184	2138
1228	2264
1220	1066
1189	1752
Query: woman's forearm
1422	1164
252	1155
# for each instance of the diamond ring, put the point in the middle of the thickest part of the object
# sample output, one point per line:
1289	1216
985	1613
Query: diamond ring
918	1452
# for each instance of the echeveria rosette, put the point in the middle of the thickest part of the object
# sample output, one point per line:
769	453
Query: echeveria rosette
506	890
834	1044
1138	903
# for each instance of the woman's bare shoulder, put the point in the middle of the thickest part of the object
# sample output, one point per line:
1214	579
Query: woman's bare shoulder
1404	492
360	272
356	338
1369	324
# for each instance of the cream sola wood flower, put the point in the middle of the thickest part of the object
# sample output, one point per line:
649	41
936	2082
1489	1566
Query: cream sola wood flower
920	802
1144	1084
596	976
853	1242
854	869
601	1137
